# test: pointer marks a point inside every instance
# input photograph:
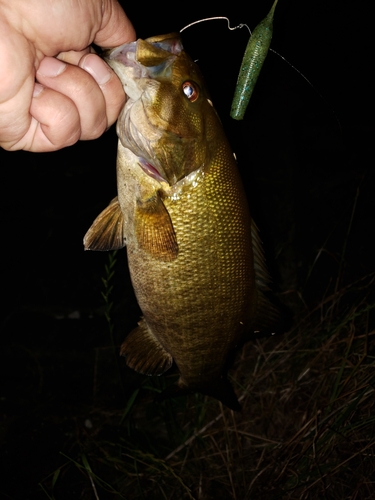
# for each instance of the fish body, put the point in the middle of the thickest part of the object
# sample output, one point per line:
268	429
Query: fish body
255	54
194	256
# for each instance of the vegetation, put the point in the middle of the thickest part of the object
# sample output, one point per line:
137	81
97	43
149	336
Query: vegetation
306	431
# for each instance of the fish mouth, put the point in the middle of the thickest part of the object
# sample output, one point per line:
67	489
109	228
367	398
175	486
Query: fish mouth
150	58
160	123
141	65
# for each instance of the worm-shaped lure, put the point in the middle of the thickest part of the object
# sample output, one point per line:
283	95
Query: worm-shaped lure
252	62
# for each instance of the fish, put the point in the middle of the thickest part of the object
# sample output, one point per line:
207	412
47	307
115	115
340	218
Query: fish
255	54
194	254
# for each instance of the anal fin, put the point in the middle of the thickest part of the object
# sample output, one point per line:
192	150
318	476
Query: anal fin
144	353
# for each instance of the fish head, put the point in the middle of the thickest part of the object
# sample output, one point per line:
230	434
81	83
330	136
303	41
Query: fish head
168	121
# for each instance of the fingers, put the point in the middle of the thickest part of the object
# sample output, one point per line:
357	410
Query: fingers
81	89
104	76
55	122
109	84
116	27
67	105
71	102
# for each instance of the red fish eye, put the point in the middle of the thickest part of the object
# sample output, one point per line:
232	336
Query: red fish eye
190	90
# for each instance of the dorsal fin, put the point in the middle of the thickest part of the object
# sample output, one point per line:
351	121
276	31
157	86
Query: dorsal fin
267	315
262	276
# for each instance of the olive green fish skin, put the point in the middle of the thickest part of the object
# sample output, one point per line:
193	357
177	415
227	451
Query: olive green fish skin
185	222
199	304
255	54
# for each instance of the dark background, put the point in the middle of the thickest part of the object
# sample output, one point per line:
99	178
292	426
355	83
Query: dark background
306	156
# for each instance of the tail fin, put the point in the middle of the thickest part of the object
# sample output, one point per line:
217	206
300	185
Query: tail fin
221	389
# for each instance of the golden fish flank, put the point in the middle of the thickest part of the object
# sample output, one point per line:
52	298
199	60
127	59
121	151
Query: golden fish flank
194	256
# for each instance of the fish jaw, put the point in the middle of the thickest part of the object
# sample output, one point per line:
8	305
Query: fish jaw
142	60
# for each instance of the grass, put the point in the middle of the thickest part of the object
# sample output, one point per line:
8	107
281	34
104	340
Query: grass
306	431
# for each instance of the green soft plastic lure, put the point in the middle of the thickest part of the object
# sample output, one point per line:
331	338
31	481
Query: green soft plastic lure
252	62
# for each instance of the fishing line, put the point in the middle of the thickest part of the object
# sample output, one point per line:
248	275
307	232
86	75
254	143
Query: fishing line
214	19
313	87
243	25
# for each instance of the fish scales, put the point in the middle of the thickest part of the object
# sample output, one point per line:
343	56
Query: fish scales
194	256
214	261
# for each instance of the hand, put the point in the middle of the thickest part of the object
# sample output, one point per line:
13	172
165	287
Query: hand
76	95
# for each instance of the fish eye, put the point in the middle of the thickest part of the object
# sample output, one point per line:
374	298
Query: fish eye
190	90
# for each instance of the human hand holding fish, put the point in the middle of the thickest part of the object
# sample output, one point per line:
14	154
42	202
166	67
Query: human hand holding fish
54	90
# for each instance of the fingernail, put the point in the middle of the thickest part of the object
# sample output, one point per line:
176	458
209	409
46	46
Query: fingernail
96	68
37	89
51	67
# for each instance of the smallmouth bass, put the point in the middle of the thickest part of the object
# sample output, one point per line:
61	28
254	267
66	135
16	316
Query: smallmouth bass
194	255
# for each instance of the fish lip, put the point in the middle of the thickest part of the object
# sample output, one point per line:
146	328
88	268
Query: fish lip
126	55
132	73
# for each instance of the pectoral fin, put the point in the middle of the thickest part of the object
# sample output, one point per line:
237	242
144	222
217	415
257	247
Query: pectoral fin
144	353
154	229
107	230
